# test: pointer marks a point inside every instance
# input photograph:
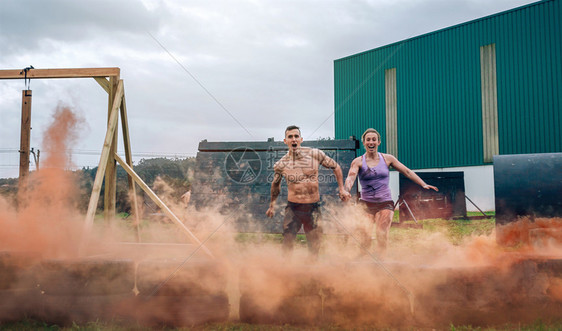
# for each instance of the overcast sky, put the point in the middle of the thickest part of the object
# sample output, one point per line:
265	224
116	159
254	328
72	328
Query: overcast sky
224	70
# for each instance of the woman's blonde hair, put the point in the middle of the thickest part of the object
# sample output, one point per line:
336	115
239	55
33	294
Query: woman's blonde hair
369	130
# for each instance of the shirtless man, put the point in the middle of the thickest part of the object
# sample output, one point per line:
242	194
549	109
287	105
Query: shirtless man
300	169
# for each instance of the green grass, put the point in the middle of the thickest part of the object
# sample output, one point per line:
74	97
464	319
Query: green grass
28	324
536	326
456	231
460	229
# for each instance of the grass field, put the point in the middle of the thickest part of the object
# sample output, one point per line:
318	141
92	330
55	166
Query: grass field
456	231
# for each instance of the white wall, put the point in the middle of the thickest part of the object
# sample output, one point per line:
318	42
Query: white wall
478	185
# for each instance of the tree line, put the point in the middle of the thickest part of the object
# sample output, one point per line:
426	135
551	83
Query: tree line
176	173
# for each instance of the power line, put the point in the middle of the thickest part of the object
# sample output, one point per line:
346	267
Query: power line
9	150
200	84
96	152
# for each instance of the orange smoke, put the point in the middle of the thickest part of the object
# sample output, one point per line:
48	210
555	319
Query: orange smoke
530	234
424	282
46	218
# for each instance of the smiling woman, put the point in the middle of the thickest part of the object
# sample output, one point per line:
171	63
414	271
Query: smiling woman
375	197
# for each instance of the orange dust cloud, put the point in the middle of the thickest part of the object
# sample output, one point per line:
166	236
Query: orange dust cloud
424	281
166	279
533	234
46	218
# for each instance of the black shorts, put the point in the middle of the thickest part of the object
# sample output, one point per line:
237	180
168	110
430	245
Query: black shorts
374	207
306	215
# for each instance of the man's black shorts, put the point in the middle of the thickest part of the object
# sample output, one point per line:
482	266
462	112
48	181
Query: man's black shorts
297	214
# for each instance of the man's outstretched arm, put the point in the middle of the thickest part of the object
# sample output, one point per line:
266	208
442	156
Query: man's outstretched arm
275	190
330	163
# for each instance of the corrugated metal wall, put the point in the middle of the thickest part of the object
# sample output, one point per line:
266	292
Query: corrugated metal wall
439	89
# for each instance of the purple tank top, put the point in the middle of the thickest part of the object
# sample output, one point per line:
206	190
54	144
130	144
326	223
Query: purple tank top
374	181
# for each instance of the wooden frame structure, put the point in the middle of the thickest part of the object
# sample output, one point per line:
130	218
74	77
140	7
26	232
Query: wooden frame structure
109	80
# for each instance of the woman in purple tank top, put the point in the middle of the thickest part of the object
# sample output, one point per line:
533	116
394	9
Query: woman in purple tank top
373	171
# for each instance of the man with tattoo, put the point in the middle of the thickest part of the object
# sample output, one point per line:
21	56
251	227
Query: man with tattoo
300	169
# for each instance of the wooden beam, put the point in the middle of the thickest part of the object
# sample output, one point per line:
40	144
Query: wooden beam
96	189
159	202
110	189
129	159
25	134
25	139
60	73
104	83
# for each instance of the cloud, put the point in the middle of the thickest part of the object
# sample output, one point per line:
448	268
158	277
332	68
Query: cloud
267	63
33	24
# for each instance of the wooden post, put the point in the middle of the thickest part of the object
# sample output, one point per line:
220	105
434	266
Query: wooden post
25	138
129	160
111	168
96	188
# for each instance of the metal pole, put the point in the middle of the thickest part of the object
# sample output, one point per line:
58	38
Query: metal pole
404	202
483	213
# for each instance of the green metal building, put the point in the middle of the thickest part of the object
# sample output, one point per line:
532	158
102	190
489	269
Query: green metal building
457	96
